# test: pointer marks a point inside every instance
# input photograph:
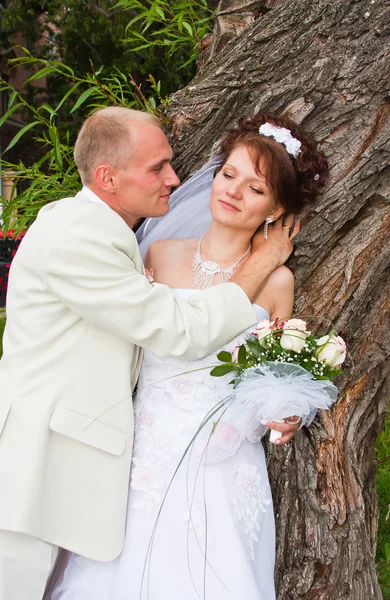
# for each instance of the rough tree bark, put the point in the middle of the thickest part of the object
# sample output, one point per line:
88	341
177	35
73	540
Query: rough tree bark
326	64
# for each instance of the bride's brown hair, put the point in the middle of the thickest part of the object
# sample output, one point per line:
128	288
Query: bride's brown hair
294	182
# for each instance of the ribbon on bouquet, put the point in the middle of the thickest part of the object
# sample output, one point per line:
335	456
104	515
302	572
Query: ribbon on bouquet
271	391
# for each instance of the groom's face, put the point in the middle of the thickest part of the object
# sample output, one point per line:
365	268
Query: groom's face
144	185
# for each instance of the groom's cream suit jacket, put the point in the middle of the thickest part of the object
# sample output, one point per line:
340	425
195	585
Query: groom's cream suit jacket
79	309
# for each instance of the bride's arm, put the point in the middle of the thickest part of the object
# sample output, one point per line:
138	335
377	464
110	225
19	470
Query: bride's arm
278	299
277	296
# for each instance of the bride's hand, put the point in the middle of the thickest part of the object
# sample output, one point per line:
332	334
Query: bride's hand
287	429
279	243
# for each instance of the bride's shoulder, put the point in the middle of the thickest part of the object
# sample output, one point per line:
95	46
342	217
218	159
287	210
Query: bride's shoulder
281	278
277	295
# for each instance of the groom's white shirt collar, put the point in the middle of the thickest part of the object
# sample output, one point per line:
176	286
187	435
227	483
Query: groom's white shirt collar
92	196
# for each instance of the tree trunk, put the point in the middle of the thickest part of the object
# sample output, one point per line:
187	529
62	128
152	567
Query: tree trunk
326	64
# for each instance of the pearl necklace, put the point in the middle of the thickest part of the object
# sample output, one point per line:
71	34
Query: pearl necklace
204	270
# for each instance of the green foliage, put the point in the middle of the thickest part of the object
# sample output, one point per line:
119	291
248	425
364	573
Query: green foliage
383	491
113	35
176	26
53	175
255	351
222	370
224	356
75	88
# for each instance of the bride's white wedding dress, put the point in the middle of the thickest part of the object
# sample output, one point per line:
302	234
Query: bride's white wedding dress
211	535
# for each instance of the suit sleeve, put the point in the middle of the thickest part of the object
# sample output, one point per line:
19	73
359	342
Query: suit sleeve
91	269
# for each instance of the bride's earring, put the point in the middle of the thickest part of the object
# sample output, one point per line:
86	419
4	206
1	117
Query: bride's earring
268	221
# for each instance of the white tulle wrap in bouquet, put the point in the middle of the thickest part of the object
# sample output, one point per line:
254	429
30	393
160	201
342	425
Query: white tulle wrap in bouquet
282	370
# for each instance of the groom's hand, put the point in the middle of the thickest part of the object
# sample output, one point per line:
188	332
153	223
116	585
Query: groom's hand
267	255
279	244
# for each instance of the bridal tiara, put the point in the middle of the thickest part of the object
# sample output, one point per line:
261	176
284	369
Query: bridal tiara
283	136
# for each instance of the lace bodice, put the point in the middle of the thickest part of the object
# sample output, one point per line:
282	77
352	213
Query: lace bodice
172	400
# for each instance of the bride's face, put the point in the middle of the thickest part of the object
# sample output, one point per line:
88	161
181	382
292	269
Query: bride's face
240	197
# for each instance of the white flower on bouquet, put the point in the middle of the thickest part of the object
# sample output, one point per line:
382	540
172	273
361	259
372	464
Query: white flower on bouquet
332	350
283	370
263	329
294	335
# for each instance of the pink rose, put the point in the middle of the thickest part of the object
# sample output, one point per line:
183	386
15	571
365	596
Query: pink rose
235	354
263	329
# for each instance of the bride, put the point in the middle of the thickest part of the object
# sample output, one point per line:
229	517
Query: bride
200	521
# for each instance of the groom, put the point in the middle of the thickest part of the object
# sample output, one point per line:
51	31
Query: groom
79	310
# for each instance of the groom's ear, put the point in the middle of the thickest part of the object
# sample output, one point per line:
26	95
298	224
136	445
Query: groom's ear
105	178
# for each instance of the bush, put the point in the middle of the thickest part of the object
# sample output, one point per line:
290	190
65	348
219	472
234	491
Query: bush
383	491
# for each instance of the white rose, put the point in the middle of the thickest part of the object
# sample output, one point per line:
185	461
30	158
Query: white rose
235	354
293	339
293	146
263	329
333	350
294	335
296	324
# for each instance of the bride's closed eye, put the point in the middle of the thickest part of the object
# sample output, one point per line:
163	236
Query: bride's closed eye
227	175
257	190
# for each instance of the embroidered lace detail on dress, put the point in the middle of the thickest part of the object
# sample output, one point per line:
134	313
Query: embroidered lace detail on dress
255	497
167	413
196	518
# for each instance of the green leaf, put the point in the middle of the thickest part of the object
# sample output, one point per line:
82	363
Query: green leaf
20	134
188	62
387	551
48	109
133	21
10	112
242	355
39	74
68	93
12	97
254	347
160	12
224	356
57	149
222	370
84	96
188	27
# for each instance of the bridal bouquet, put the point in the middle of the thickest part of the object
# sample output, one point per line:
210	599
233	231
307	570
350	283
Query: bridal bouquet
282	369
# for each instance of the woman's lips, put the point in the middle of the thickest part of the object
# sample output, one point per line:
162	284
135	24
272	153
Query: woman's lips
229	206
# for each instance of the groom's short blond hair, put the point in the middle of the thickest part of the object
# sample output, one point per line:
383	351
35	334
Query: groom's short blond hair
105	138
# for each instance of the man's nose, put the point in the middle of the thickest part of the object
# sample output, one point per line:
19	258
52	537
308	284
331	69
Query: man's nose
172	179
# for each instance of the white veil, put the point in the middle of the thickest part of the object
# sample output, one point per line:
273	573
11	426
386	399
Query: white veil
189	213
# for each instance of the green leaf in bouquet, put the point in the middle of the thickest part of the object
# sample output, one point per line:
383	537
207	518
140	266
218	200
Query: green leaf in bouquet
254	347
224	356
222	370
242	355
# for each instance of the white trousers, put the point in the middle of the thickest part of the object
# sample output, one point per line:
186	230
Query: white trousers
25	566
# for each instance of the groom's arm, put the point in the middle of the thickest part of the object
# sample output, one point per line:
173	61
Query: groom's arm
91	269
